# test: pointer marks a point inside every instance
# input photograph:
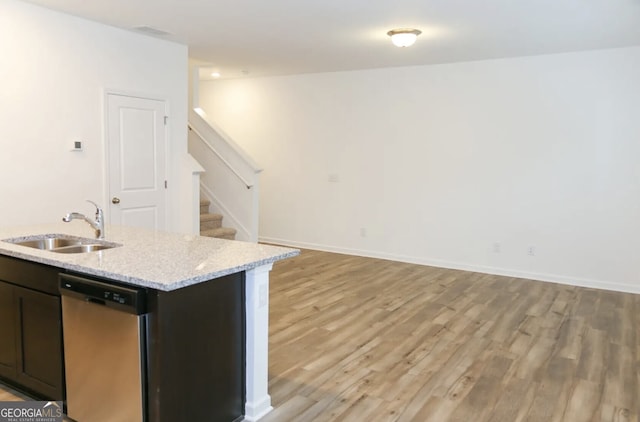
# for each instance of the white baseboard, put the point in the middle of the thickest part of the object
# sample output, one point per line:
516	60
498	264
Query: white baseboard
552	278
255	411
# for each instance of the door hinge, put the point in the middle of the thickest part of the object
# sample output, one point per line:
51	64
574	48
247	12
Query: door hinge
165	184
166	118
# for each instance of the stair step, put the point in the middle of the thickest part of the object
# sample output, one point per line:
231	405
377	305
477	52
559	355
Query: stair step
210	221
220	233
204	206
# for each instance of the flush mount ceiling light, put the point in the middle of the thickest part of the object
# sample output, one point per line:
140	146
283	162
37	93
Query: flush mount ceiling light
215	75
404	37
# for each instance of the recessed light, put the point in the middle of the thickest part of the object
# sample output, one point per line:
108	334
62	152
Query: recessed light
404	37
215	75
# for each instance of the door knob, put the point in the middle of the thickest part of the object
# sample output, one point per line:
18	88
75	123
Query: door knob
115	200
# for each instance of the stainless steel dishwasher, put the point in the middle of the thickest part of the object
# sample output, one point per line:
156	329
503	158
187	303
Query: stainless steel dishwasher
104	350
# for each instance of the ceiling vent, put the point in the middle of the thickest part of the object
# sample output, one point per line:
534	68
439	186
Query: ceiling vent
151	31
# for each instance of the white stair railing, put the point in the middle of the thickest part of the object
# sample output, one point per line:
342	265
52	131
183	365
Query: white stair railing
231	177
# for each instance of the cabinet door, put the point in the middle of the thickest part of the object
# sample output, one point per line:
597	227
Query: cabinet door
7	332
40	359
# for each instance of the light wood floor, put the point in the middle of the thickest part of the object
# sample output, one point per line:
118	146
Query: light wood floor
359	339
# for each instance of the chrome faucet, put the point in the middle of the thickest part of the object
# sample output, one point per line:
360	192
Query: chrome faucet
97	224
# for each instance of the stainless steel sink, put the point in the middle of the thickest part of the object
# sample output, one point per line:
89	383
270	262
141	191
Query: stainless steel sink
82	248
48	243
61	243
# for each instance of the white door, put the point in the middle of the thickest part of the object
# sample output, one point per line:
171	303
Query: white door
136	141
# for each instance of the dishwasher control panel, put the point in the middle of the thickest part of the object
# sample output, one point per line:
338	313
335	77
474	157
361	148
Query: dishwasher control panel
127	299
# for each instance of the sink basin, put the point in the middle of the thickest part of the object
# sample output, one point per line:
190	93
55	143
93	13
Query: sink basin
82	248
61	243
48	243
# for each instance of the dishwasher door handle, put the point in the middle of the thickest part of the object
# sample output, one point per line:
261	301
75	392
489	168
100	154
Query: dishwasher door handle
96	301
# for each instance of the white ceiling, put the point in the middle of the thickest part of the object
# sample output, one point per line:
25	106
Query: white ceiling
279	37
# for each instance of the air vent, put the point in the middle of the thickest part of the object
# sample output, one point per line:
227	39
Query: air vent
151	31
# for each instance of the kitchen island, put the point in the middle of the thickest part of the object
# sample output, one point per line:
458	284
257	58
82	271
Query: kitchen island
171	265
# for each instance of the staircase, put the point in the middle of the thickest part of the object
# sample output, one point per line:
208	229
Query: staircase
230	179
211	224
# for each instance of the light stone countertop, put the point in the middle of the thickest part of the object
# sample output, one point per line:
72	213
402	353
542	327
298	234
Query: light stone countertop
159	260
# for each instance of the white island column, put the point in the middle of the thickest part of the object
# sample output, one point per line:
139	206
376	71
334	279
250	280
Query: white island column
258	401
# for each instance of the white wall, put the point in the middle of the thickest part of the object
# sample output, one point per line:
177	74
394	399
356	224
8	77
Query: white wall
54	70
439	163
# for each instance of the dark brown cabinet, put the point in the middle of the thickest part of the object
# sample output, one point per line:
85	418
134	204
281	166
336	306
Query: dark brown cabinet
31	329
196	349
7	332
39	351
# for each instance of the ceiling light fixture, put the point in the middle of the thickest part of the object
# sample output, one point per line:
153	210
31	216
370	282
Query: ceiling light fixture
216	75
403	37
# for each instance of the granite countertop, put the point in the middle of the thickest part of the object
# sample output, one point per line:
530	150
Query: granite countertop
159	260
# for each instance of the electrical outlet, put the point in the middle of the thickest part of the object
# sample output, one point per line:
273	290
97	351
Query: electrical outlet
531	251
363	232
497	247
